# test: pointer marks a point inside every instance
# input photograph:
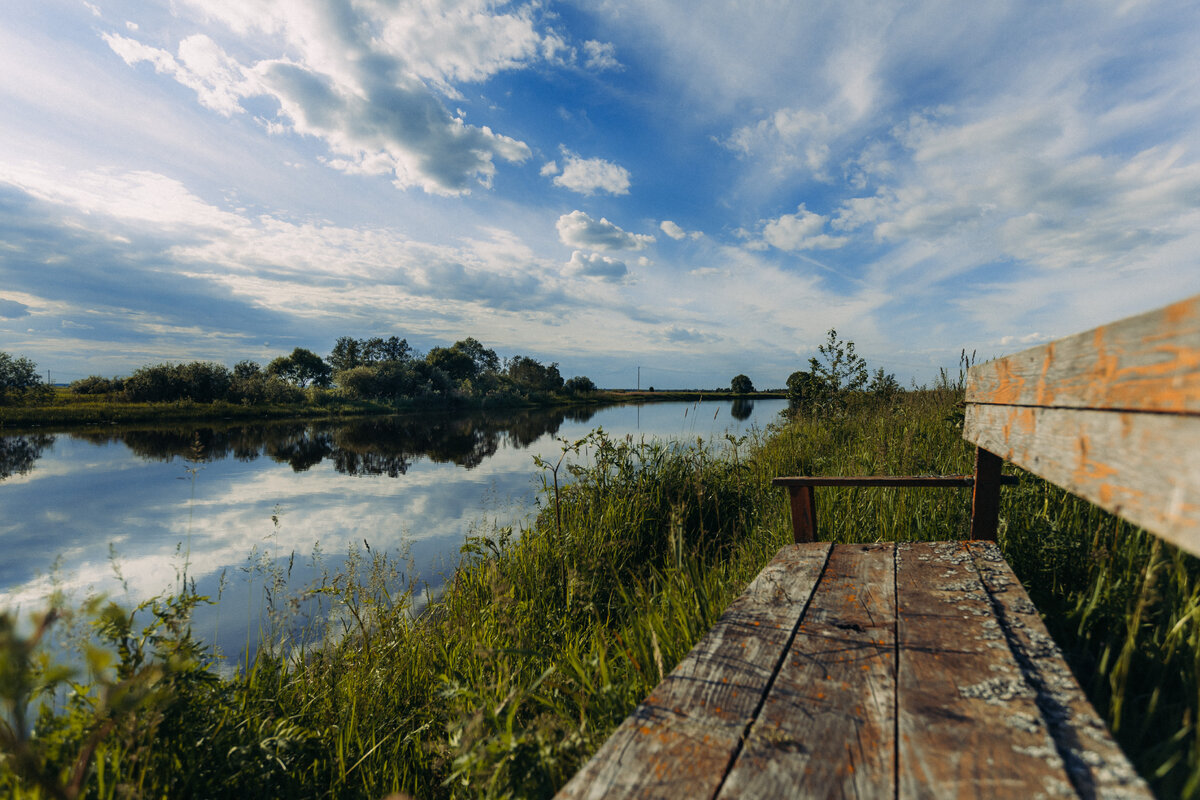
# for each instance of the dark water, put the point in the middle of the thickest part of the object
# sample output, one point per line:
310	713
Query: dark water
130	512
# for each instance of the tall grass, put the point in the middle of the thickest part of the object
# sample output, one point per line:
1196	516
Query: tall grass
546	638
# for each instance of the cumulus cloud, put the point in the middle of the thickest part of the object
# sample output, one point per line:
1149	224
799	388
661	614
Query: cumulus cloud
600	55
677	233
579	230
398	129
588	175
594	265
220	83
362	79
791	138
800	231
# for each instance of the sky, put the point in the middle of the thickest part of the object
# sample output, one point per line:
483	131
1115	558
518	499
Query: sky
695	188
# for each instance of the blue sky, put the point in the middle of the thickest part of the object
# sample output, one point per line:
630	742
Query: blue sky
698	188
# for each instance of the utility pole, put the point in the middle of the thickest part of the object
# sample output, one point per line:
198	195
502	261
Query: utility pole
639	377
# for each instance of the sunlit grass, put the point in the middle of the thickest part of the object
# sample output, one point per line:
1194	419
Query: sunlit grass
545	639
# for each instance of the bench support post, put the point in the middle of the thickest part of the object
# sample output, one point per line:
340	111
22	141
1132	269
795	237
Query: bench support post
804	514
985	499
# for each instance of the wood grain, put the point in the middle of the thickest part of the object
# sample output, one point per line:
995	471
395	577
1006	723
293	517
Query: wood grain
1142	467
1094	761
967	719
1150	362
828	726
681	740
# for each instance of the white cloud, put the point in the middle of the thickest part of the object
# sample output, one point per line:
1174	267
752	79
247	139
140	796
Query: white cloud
220	82
397	128
594	265
600	55
359	78
138	197
589	175
1018	184
548	169
800	231
579	230
677	233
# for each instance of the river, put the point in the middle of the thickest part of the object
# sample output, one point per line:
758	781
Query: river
235	509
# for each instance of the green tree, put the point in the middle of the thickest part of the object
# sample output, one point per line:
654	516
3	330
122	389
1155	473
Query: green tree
741	385
800	387
839	369
580	384
453	361
531	375
883	384
19	378
347	354
302	367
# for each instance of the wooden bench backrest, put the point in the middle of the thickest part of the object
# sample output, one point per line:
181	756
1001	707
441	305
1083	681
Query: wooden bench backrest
1112	415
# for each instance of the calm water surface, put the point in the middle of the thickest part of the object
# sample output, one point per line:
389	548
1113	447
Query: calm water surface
128	512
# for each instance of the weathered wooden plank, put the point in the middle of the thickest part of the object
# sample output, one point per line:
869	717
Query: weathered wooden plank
1143	467
1150	362
827	728
968	724
985	498
681	740
1094	761
874	480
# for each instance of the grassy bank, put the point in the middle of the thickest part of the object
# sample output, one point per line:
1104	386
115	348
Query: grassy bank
65	408
543	642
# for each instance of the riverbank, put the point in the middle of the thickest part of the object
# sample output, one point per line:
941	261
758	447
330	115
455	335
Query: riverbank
544	641
68	409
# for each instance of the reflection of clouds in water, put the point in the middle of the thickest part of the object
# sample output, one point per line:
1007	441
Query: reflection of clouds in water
84	493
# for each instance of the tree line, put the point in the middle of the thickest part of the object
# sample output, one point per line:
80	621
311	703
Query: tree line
834	375
375	368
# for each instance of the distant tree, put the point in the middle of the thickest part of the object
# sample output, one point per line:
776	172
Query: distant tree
580	384
531	375
741	385
454	361
96	384
19	378
244	370
839	369
377	350
883	384
198	381
347	354
303	367
801	387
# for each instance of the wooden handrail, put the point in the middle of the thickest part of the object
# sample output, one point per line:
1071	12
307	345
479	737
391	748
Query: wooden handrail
985	500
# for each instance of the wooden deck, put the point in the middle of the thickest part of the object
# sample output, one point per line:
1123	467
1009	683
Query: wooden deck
910	670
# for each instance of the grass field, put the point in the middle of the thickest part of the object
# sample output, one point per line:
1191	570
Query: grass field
546	638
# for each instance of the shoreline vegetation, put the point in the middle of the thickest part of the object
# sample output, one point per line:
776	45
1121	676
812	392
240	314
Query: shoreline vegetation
549	633
62	407
547	637
359	377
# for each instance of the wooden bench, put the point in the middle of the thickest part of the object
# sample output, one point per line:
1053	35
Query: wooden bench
923	669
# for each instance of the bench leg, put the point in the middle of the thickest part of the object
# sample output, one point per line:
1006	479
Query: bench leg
804	514
985	500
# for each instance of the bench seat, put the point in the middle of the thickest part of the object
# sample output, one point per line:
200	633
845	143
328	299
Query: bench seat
868	670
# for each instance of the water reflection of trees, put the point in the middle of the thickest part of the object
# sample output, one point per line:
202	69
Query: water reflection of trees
18	453
373	446
742	409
